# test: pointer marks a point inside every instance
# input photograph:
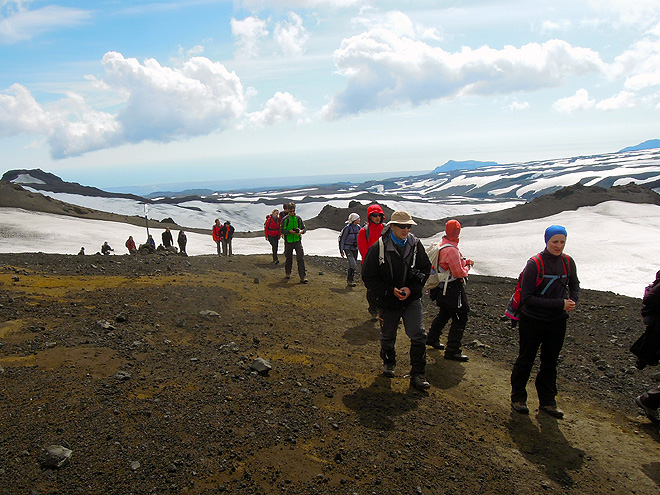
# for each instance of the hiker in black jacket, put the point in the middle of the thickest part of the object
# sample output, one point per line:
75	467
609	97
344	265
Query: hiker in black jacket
395	270
647	347
545	304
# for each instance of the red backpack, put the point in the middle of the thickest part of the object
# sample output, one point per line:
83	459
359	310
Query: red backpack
514	308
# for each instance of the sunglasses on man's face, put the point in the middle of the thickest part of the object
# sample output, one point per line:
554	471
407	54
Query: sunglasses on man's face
402	226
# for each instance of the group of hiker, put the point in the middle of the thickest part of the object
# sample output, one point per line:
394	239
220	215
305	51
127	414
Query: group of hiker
149	245
397	271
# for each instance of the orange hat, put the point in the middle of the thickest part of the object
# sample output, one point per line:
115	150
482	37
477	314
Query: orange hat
452	229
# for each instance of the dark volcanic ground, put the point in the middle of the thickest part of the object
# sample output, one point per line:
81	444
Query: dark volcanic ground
114	358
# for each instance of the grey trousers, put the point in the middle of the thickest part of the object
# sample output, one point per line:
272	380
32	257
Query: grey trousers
414	327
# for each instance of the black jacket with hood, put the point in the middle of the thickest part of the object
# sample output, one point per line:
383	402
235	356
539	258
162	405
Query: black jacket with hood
395	271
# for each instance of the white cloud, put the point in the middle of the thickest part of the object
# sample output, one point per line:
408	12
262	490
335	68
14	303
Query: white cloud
517	106
577	102
248	34
76	128
298	4
385	69
20	113
625	99
282	106
20	24
291	35
166	103
156	103
640	64
548	27
399	24
637	12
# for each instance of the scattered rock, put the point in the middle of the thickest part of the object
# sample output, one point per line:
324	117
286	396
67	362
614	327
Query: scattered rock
261	366
55	457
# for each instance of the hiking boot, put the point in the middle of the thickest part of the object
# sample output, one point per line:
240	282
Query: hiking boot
520	407
351	283
388	370
651	413
457	356
552	411
436	345
419	382
304	281
287	276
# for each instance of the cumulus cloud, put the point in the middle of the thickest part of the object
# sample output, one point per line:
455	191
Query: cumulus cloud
20	113
291	35
248	34
282	106
579	101
625	99
386	70
18	23
165	103
640	64
398	23
156	103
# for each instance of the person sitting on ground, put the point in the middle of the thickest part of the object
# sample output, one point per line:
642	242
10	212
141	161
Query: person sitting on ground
647	347
105	249
82	251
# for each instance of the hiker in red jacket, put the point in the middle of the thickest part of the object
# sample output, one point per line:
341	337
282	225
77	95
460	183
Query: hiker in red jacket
367	236
217	235
272	232
451	300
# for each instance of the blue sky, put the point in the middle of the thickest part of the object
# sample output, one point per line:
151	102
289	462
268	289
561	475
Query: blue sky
113	93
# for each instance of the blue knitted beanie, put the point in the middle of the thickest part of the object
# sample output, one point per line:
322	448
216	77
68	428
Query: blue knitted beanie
554	230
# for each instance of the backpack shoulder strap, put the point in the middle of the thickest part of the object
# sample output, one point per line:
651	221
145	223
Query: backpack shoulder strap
381	251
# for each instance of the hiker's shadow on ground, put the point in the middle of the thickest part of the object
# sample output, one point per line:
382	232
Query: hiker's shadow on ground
546	446
442	373
343	290
377	405
362	333
652	470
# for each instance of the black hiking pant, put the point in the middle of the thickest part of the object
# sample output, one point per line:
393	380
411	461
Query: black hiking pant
549	337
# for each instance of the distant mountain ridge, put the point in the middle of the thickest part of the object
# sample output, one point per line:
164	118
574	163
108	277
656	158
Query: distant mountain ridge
646	145
40	180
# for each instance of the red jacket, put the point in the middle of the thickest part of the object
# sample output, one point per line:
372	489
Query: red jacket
272	227
375	231
216	233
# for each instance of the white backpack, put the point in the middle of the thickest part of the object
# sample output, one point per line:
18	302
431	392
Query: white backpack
438	274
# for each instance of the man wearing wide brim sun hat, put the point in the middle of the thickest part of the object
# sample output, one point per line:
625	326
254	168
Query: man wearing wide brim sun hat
396	269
